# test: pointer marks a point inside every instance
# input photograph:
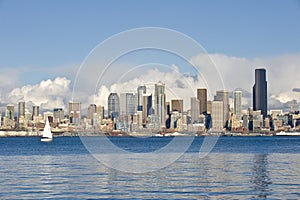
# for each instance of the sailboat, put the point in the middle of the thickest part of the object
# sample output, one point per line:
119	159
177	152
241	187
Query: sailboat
47	135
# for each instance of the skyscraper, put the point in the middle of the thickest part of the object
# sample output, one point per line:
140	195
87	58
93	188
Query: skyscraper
168	108
91	110
160	103
21	109
260	101
10	112
127	104
35	111
113	105
177	105
130	103
217	115
209	107
202	97
74	112
147	106
194	109
222	95
9	119
237	98
58	114
123	103
140	91
100	111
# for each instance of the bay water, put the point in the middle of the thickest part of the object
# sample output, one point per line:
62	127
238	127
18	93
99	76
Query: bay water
236	168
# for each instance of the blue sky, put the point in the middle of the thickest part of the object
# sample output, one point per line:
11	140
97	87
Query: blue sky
53	33
45	39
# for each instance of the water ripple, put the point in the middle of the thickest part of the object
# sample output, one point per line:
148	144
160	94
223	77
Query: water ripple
227	175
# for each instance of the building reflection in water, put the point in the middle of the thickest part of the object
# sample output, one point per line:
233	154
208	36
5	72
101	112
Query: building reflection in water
260	176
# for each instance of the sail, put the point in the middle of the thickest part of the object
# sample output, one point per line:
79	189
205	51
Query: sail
47	130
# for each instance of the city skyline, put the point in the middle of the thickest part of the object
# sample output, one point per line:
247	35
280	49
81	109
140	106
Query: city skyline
131	113
217	95
127	103
149	99
35	57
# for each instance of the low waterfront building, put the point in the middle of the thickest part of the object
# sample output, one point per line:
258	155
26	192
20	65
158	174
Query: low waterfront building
277	123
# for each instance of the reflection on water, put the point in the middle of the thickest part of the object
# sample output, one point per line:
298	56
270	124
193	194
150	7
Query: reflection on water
65	170
219	175
260	176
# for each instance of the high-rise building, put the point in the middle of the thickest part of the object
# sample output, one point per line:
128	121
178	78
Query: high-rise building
223	96
91	110
209	107
123	104
147	106
237	98
113	105
260	98
35	111
74	112
100	111
245	121
9	119
130	103
202	97
217	115
160	103
194	109
127	104
177	105
10	112
28	115
168	109
58	114
21	109
140	91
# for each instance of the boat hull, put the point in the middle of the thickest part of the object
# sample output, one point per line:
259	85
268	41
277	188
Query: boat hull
288	134
46	139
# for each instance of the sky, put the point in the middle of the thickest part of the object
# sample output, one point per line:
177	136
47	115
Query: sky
44	43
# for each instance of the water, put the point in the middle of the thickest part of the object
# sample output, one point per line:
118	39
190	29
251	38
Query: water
237	168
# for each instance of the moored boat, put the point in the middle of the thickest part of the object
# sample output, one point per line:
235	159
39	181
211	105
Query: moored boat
283	133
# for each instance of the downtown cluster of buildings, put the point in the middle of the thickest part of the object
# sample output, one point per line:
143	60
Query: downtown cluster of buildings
146	112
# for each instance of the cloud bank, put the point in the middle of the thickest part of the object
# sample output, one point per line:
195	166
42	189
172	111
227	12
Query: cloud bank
282	74
236	72
47	94
177	85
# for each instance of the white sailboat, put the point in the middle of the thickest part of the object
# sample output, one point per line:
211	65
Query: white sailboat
47	135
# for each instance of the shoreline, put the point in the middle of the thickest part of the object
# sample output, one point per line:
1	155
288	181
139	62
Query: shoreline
14	133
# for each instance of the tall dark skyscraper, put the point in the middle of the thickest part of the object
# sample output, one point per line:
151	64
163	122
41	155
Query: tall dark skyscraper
202	97
260	98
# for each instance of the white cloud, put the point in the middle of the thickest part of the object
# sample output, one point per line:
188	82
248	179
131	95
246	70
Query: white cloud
282	73
236	72
177	85
15	77
47	94
282	76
